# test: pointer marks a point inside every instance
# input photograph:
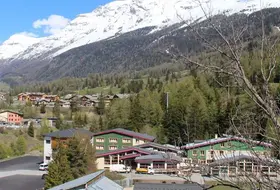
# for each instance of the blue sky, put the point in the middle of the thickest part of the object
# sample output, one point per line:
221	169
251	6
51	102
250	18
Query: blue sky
18	16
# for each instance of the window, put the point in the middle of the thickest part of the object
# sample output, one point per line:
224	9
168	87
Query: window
113	140
126	141
212	154
137	140
48	158
221	153
114	159
100	140
229	144
202	161
194	152
106	160
113	148
222	144
99	147
48	141
202	153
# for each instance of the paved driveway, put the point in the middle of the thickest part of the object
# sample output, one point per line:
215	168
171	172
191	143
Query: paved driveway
21	163
21	173
23	182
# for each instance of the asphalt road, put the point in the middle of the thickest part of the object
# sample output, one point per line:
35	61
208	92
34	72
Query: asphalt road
21	173
23	182
21	163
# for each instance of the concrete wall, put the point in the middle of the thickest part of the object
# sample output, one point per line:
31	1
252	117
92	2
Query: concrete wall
100	163
47	149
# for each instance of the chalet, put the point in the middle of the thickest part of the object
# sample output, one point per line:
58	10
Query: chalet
51	140
30	96
119	138
210	150
51	98
96	180
64	103
11	117
34	97
88	101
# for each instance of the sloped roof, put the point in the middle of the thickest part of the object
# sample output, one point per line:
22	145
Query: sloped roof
224	139
103	183
68	133
127	133
236	157
162	186
159	146
11	111
137	149
158	157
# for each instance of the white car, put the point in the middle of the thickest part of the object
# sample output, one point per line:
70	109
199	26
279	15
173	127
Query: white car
43	167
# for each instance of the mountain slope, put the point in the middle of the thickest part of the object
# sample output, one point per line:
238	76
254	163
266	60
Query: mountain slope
124	35
122	16
142	49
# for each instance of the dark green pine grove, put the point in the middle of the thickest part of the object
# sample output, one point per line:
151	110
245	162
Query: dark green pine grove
72	159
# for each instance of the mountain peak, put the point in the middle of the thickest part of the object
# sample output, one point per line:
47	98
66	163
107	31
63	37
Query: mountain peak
121	16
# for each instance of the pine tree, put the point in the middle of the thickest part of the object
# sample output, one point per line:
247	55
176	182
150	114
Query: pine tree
21	145
77	158
30	130
90	156
59	170
44	129
43	109
53	178
101	124
56	110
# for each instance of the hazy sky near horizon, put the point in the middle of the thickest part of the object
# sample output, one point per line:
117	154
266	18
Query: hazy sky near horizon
41	18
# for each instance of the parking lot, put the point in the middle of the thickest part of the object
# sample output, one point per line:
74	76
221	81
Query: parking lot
21	173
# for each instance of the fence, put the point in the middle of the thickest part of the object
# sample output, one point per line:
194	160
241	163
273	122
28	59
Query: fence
125	182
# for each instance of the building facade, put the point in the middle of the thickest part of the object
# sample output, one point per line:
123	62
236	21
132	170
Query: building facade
213	149
51	140
134	156
11	117
119	138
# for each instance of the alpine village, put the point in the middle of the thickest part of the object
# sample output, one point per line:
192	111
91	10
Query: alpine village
145	95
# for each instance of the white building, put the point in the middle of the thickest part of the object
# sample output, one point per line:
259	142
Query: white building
51	140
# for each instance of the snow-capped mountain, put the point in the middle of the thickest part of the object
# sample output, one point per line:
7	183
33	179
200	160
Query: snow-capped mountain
119	17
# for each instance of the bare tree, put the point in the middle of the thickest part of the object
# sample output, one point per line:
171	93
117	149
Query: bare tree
230	44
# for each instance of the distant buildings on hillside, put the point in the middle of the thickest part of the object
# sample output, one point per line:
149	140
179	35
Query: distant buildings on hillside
38	98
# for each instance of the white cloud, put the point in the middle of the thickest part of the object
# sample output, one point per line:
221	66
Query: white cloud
53	24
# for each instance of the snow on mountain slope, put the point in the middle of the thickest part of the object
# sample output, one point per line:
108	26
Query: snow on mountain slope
15	44
122	16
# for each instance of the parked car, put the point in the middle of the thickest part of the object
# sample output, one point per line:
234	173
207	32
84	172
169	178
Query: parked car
43	167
